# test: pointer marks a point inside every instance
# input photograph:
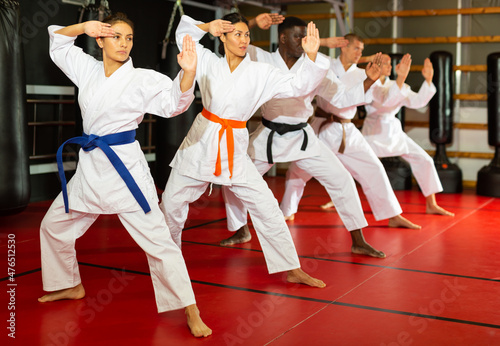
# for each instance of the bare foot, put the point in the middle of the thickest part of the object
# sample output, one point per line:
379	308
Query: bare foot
290	218
327	205
77	292
361	247
298	276
196	325
400	221
241	236
368	250
433	208
436	209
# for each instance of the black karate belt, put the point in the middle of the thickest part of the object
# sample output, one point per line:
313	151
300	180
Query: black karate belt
332	118
282	129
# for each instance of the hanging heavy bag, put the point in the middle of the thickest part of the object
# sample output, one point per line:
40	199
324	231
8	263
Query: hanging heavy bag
441	121
14	168
488	178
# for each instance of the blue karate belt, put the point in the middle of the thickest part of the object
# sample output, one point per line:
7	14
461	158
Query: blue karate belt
89	143
282	129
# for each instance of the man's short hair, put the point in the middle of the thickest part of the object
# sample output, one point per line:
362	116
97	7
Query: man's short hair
353	37
290	22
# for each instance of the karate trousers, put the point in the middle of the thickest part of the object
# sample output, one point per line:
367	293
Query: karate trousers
273	233
423	168
58	234
328	170
364	166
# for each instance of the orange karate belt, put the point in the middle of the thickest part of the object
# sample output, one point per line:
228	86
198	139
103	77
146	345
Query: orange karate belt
227	126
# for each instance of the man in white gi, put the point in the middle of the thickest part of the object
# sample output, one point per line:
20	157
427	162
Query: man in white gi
345	140
385	135
285	136
232	88
112	176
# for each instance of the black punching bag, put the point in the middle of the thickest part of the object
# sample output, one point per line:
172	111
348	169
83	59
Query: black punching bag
398	170
488	178
170	132
441	121
14	168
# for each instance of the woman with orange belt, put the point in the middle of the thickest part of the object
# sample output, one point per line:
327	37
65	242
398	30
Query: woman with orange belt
215	150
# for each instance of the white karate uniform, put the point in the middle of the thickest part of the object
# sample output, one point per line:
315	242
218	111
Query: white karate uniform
236	96
358	157
383	131
317	159
113	105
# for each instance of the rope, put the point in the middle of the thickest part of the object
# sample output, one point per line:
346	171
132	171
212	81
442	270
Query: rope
177	5
346	16
235	8
9	3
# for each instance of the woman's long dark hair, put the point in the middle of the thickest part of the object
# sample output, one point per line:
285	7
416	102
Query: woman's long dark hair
233	18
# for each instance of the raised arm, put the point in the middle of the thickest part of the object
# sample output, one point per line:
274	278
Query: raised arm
426	91
394	95
402	70
373	71
333	42
197	29
187	60
304	81
217	27
366	59
333	91
428	71
75	63
310	43
265	20
92	28
167	98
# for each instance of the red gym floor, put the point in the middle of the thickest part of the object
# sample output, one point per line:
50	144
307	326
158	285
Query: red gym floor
437	286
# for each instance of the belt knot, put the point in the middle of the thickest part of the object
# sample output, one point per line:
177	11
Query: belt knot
227	126
91	143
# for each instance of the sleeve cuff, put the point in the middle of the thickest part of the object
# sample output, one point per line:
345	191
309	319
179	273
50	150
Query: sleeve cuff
196	32
60	39
178	84
431	87
405	90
